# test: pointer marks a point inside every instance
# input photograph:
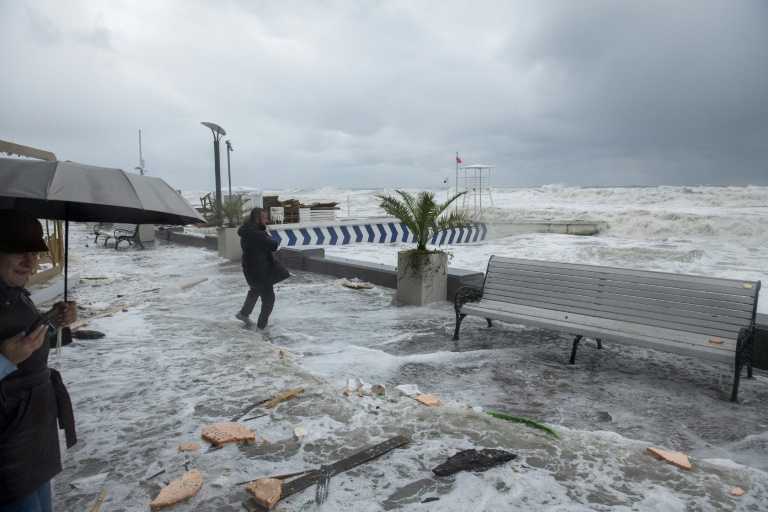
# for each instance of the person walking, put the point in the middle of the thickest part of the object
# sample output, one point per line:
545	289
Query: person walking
32	396
260	268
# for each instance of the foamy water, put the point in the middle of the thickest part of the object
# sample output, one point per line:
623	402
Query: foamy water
716	231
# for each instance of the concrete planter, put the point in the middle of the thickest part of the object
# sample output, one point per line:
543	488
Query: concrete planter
422	278
229	244
147	233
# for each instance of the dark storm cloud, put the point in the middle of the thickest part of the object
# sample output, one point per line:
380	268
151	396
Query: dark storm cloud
383	94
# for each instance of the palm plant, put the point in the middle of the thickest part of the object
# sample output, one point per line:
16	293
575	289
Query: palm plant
422	215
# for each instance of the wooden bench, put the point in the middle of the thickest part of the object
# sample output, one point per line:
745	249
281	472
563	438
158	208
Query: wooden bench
699	316
119	233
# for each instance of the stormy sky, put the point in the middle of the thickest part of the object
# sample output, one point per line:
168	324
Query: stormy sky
383	93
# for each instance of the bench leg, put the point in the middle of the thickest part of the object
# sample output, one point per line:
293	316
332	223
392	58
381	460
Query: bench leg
599	344
490	324
743	358
459	318
576	341
736	380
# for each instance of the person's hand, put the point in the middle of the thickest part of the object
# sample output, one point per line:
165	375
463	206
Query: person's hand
64	313
21	346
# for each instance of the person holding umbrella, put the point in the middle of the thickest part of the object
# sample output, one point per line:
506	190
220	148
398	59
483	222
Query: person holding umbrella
33	398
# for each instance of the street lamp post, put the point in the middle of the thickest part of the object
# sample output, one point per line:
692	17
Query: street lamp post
217	132
229	169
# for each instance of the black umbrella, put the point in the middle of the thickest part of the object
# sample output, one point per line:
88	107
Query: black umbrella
70	191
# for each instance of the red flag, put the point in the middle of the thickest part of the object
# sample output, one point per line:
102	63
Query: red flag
459	160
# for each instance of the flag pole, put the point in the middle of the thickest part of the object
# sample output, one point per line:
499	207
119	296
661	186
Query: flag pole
456	205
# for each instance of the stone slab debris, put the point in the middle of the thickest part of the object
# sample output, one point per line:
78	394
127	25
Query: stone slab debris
355	284
678	459
189	447
222	433
428	400
473	460
266	491
179	490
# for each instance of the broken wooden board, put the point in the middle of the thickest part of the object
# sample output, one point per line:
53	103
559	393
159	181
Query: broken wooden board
225	432
311	478
99	501
678	459
283	396
266	491
179	490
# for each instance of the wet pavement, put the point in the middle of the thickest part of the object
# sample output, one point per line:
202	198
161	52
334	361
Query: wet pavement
176	359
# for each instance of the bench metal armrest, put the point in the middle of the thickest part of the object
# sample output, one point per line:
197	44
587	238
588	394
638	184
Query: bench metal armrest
466	294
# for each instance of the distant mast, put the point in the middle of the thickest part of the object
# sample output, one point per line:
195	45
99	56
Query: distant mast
140	168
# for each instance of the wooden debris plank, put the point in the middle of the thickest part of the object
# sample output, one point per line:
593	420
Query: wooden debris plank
283	396
311	478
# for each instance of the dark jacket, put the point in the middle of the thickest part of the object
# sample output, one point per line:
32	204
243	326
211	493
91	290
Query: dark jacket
258	260
32	399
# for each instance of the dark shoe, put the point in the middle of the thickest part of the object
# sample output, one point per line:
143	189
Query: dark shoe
247	321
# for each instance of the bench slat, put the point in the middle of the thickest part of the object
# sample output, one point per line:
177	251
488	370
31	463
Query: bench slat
707	327
639	290
663	334
740	316
746	291
680	310
682	279
620	332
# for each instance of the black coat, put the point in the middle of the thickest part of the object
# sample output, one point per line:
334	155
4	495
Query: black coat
32	399
258	260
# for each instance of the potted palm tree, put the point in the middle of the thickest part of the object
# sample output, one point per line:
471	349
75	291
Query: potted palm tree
422	275
232	216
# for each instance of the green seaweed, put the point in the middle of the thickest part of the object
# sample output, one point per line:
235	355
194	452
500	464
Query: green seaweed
525	421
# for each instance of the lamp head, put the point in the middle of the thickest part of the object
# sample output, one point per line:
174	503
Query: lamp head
216	129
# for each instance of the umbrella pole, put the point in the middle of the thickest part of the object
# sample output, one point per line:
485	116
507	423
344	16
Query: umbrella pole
66	257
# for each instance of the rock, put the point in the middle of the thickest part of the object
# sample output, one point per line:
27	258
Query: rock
189	447
678	459
473	460
83	334
378	390
179	490
408	389
604	417
429	400
736	491
89	483
222	433
266	491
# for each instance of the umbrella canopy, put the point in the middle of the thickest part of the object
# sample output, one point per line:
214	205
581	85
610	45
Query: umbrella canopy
85	193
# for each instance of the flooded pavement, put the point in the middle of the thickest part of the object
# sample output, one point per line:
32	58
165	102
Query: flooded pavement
176	359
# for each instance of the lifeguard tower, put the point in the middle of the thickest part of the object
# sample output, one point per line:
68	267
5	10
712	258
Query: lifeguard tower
475	180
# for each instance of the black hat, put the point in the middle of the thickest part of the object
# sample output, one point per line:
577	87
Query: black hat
20	232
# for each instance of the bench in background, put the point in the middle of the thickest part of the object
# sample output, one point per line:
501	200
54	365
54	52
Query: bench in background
128	233
705	317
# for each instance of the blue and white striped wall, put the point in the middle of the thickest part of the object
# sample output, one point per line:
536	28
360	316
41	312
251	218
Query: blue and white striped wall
373	233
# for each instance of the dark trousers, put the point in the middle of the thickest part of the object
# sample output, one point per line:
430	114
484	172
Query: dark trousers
266	293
